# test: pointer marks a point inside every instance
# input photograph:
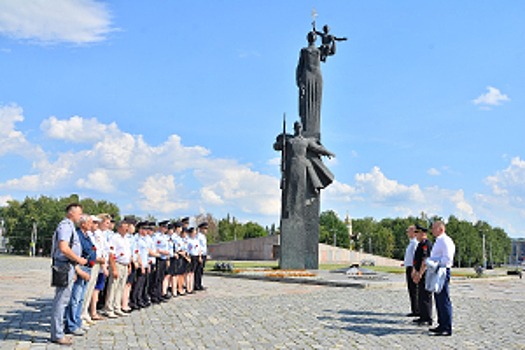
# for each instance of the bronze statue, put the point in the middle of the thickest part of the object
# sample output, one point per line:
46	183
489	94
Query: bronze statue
304	172
310	83
328	40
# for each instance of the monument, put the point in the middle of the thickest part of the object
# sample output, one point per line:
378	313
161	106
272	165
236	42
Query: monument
303	174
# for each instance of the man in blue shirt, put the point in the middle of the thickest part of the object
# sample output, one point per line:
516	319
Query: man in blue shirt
66	250
74	308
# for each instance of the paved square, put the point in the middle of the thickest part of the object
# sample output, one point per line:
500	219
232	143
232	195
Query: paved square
247	314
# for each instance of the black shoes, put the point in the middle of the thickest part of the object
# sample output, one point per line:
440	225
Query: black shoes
412	314
421	322
440	332
443	334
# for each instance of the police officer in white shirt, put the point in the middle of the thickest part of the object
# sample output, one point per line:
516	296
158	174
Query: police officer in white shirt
201	263
409	263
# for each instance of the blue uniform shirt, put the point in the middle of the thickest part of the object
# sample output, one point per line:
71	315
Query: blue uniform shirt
64	230
143	248
161	243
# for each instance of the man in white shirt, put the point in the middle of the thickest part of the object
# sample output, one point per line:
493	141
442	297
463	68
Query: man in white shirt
409	263
119	263
443	252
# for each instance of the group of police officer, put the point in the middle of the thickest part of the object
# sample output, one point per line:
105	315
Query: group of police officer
115	273
165	262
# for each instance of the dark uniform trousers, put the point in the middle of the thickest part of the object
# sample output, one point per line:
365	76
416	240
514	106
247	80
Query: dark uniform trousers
425	300
444	306
137	291
199	271
412	291
161	272
152	278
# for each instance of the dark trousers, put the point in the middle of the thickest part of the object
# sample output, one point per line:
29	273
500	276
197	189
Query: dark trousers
444	306
199	271
161	272
412	291
425	301
137	291
152	282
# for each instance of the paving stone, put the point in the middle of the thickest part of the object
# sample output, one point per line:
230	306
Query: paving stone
257	314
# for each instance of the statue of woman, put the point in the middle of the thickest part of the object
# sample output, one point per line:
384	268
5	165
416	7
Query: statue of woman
310	83
305	173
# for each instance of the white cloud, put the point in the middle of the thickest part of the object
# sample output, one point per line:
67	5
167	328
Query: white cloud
56	21
239	186
118	159
374	191
4	200
464	209
492	98
380	188
76	129
98	180
210	197
433	172
174	179
159	195
275	161
510	181
12	141
339	191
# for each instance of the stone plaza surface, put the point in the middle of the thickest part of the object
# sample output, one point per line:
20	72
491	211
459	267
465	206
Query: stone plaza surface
255	314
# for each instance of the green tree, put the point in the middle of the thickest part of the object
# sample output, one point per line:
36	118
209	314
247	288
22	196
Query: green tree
330	224
364	229
253	230
44	212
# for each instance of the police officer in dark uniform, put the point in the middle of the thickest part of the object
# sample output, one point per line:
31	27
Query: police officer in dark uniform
418	275
162	245
201	262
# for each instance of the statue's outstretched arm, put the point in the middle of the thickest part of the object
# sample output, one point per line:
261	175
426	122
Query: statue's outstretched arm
320	149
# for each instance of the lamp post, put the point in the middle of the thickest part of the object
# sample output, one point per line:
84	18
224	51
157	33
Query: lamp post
34	237
484	253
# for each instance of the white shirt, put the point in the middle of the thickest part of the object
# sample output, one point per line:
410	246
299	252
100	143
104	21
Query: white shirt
193	246
443	250
409	253
203	242
99	240
120	248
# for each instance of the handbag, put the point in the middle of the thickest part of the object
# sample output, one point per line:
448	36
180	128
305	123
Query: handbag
60	273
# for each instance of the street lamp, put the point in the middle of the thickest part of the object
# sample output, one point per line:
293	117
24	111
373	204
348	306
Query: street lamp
484	253
34	236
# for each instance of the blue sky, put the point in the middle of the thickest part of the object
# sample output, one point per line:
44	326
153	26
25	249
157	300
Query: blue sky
172	109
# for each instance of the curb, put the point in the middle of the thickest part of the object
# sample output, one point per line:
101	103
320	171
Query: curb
310	281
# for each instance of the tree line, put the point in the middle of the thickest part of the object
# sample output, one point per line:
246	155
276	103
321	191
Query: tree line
19	218
386	237
43	213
